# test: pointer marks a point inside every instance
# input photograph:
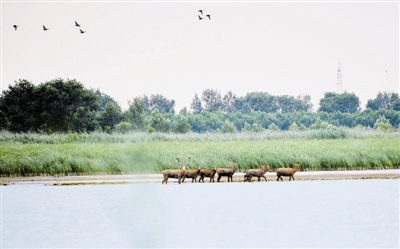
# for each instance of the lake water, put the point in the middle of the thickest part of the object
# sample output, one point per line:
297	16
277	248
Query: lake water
348	213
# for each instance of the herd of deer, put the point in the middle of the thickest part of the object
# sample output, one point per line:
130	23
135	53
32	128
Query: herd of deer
182	173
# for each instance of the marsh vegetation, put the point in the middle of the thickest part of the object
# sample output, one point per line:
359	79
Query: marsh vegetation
30	154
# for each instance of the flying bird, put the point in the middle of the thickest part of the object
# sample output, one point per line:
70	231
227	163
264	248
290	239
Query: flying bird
15	27
77	24
209	16
82	31
201	12
44	28
200	18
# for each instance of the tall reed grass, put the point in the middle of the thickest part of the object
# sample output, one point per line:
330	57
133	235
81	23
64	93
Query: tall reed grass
19	159
132	137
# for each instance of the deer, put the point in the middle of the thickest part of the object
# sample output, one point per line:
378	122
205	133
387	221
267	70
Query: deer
256	172
226	172
287	172
192	174
208	173
173	173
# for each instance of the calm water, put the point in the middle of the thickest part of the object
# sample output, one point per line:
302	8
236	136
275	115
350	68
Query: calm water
359	213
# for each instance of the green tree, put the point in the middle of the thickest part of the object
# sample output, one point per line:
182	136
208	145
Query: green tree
382	124
383	100
181	124
257	128
158	122
60	100
19	107
294	127
196	105
246	127
261	101
212	100
345	102
103	99
123	127
161	103
136	115
111	116
228	127
273	127
229	102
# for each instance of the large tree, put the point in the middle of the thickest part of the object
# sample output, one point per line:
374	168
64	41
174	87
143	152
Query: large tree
384	100
111	116
19	107
196	104
342	102
103	99
137	114
60	100
212	100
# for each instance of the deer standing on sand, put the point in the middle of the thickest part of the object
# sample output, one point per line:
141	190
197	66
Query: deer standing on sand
226	172
192	174
178	174
256	172
287	172
208	173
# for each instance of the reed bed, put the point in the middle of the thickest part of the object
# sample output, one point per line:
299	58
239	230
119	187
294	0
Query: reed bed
30	159
133	137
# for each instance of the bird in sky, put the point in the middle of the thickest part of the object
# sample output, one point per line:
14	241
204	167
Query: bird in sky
82	31
209	16
201	12
44	28
15	27
200	18
77	24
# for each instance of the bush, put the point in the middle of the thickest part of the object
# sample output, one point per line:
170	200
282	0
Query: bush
382	124
228	127
273	127
123	127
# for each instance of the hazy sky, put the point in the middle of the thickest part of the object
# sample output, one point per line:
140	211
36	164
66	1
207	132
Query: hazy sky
134	48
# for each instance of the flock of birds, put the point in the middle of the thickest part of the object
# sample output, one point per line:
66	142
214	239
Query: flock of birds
201	16
45	28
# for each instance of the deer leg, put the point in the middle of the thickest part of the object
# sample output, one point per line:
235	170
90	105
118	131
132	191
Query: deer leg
265	178
258	178
219	177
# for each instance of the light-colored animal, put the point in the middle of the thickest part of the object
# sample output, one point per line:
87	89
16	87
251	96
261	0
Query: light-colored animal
208	173
257	173
175	173
287	172
192	174
226	172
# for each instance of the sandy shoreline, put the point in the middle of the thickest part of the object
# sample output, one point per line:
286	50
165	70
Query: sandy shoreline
157	178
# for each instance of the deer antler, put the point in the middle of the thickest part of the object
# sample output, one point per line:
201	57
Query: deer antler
179	164
188	162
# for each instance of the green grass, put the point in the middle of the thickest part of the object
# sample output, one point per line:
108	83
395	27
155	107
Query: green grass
28	159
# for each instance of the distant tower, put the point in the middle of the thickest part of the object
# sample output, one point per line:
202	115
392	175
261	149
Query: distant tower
339	80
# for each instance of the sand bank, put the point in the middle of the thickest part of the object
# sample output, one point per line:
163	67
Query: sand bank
157	178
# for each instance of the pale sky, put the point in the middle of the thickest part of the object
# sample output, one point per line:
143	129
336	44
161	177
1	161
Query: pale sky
132	48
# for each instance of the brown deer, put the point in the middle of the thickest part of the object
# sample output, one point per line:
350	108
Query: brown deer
208	173
287	172
256	172
226	172
173	173
192	174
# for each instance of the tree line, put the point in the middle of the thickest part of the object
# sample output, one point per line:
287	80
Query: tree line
67	106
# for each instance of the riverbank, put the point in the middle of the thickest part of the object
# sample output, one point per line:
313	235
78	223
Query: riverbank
157	178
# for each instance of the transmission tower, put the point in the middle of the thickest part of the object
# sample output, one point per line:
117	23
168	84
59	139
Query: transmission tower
339	80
